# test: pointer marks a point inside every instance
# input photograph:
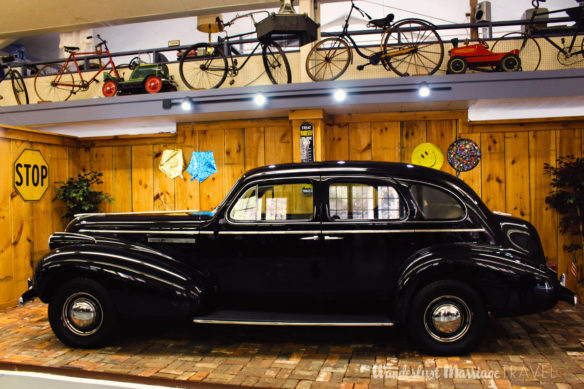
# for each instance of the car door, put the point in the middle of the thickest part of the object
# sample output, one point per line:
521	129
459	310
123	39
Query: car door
265	248
367	233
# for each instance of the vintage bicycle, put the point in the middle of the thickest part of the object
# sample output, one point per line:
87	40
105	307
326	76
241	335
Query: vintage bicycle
18	85
205	66
409	47
62	85
570	51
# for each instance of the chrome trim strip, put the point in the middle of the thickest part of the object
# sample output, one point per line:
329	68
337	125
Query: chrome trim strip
141	232
305	324
297	232
402	231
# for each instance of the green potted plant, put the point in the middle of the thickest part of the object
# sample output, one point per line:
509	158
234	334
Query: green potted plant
567	198
79	196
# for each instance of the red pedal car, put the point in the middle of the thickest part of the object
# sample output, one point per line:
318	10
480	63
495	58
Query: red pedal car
478	55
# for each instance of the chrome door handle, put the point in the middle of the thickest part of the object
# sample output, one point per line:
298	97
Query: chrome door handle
332	237
313	237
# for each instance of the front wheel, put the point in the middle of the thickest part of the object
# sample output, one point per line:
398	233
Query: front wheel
412	47
53	83
510	63
18	87
276	64
527	47
82	314
153	84
203	66
328	60
446	317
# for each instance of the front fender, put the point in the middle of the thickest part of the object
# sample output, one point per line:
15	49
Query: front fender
506	281
142	280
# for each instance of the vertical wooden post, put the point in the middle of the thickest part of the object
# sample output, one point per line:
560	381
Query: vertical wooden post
474	32
317	117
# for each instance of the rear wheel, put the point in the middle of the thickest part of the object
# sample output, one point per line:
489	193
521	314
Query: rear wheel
203	66
412	48
109	89
528	48
82	314
153	84
328	60
446	317
18	87
456	65
51	86
276	64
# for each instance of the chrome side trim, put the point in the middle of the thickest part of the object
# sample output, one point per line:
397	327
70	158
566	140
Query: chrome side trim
297	232
141	232
299	324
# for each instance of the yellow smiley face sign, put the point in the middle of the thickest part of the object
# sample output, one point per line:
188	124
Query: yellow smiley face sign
428	155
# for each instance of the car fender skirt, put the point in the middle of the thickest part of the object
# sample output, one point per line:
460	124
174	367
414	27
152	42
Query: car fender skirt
142	283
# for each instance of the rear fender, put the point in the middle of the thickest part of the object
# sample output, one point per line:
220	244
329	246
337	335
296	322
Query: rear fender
502	278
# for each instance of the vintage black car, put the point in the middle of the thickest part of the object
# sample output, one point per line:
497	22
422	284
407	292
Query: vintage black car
331	243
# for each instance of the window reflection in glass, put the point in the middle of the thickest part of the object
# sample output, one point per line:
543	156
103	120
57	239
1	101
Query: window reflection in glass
435	203
352	201
275	203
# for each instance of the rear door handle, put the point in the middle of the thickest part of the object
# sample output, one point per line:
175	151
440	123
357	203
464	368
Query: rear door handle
313	237
326	237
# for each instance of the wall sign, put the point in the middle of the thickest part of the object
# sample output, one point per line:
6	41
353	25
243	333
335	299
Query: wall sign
307	142
31	175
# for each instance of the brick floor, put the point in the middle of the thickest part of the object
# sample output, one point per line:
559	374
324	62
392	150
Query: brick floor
538	351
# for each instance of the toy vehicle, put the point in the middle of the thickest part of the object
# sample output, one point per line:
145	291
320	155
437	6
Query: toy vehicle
326	243
478	55
151	78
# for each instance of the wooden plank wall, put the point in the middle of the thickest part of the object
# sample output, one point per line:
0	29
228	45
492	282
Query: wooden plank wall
509	178
25	226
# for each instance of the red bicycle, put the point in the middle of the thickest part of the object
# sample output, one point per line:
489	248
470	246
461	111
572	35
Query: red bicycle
60	86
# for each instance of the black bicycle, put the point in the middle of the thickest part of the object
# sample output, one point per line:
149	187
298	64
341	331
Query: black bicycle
205	66
18	85
409	47
569	52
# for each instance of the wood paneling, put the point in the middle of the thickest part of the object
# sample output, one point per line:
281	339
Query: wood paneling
142	179
360	141
517	197
493	167
385	141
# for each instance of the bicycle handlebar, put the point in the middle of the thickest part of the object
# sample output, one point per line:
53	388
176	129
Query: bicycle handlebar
535	3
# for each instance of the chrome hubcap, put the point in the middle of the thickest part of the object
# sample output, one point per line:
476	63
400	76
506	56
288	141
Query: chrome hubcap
447	318
82	314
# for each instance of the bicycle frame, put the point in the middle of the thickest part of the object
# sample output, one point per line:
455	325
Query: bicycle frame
83	84
533	31
233	68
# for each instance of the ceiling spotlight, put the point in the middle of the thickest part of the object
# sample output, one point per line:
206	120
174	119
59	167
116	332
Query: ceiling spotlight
187	104
340	95
424	89
260	100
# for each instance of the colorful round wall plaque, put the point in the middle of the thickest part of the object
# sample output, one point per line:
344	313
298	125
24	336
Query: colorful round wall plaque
464	155
428	155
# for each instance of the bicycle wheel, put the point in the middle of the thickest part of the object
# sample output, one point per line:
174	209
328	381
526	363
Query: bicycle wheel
412	48
529	50
276	64
18	87
49	86
328	60
203	66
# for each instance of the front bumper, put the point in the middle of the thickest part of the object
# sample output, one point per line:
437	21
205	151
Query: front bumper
565	294
27	296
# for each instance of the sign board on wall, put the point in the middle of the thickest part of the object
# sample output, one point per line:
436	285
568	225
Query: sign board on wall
31	175
307	142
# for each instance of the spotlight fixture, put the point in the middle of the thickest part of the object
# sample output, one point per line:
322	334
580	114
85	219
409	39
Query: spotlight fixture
424	89
260	100
340	95
187	104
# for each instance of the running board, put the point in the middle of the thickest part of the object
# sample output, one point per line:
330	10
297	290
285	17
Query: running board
292	319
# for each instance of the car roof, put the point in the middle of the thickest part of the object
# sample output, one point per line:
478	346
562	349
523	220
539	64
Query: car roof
390	169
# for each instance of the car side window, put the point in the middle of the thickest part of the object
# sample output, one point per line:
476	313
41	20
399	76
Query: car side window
278	202
435	203
360	201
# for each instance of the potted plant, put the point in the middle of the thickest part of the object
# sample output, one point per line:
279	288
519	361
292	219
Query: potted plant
79	196
567	198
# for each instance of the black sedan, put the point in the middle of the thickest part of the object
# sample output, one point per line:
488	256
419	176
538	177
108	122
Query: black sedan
331	243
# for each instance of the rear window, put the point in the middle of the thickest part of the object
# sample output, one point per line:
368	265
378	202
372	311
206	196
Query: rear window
436	203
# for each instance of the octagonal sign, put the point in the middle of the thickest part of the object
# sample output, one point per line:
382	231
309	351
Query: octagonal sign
31	175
